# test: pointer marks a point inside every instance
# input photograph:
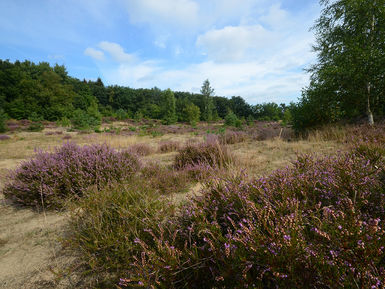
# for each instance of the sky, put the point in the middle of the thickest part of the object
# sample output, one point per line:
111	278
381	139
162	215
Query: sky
257	49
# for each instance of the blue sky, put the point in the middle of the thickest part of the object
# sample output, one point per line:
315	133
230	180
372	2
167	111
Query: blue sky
253	48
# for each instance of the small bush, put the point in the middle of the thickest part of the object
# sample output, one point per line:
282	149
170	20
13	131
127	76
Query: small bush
233	137
210	152
141	149
4	137
232	120
67	172
319	224
168	146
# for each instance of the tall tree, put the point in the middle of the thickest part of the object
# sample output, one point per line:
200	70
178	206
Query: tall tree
348	80
168	107
208	104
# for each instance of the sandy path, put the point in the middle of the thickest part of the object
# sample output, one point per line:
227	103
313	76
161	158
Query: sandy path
30	248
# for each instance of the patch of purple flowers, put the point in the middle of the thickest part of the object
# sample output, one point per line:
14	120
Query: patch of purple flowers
48	178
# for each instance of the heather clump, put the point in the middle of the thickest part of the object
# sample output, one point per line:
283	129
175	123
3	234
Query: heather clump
4	137
49	178
318	224
210	153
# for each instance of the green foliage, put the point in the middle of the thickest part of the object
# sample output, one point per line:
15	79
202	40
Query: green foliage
3	119
232	120
64	122
168	107
347	82
192	114
207	100
89	119
121	114
36	124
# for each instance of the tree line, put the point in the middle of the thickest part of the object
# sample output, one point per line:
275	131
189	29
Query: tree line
44	92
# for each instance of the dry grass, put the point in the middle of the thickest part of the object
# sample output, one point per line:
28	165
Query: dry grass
28	240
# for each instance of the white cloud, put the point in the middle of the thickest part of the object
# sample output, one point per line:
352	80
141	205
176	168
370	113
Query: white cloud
166	12
235	43
116	51
94	53
260	57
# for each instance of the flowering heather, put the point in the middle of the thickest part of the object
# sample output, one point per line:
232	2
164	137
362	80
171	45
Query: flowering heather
67	172
168	146
4	137
319	224
210	153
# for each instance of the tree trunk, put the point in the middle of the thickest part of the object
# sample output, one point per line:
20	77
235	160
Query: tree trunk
369	111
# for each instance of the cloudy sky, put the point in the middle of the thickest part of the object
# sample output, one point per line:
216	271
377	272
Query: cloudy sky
253	48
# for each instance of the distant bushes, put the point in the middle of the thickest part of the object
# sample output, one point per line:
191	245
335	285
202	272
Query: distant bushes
319	224
67	172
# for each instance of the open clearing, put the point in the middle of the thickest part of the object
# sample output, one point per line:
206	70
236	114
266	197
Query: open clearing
31	254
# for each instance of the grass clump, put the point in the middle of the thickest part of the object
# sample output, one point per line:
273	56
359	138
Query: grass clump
49	178
168	146
210	153
106	224
319	224
166	181
141	149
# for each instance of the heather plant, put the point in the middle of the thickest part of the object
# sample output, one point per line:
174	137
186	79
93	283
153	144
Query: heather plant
105	225
49	178
211	153
318	224
4	137
168	146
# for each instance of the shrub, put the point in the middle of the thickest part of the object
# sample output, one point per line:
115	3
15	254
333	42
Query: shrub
232	120
105	225
168	146
233	137
85	120
67	172
141	149
4	137
319	224
210	152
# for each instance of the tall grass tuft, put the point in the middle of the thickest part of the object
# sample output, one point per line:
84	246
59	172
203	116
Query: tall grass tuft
105	227
49	178
210	153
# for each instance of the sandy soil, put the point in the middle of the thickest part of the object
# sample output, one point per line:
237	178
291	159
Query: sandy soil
30	251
